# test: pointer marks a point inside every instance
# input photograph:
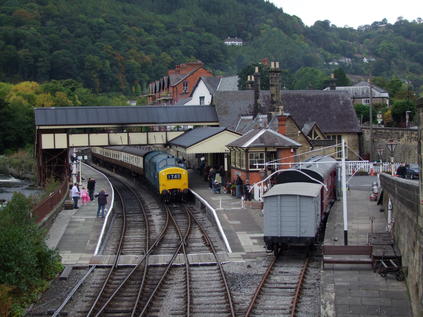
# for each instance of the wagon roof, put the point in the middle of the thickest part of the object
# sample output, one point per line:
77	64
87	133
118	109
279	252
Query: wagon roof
300	189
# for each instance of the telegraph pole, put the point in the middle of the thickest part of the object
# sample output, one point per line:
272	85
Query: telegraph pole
344	194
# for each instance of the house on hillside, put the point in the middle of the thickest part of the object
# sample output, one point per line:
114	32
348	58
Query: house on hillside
233	41
205	88
360	93
178	83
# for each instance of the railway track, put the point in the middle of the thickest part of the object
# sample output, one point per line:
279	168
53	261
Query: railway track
279	292
147	289
202	290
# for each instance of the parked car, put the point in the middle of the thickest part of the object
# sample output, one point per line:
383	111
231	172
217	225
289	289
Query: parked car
412	171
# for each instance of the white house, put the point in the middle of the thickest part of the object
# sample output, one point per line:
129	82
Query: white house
233	41
203	91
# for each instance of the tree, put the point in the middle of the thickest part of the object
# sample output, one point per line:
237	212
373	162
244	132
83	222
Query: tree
309	78
341	77
249	70
26	263
399	109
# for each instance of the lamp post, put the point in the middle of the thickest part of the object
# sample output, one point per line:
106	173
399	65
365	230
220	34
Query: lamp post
407	118
391	146
380	153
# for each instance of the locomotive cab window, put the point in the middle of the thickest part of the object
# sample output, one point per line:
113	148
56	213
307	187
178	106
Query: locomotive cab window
173	176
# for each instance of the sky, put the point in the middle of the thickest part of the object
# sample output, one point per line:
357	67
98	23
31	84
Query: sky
352	13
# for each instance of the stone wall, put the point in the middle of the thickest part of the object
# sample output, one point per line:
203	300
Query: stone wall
407	231
406	150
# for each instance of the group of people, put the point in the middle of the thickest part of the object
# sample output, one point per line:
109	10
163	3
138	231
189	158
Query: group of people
215	179
87	195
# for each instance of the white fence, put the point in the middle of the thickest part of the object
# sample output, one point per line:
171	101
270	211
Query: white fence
352	168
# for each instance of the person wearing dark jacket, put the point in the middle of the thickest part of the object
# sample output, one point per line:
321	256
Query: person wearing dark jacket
91	188
102	202
239	184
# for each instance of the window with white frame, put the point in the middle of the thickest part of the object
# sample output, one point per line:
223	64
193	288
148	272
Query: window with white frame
338	149
202	98
185	86
366	101
256	160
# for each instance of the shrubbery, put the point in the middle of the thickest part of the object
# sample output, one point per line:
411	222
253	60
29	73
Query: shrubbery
26	263
20	164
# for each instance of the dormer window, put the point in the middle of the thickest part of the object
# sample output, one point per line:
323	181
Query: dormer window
185	86
202	98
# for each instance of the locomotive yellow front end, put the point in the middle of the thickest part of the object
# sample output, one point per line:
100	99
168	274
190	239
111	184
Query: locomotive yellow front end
173	183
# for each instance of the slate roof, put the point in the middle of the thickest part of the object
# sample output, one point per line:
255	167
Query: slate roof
333	111
214	83
263	138
196	135
247	123
124	115
211	83
361	90
176	78
307	127
228	83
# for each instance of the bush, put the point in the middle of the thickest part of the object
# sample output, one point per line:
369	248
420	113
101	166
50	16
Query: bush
20	164
26	264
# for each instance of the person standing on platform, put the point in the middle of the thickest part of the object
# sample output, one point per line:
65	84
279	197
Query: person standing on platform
102	202
238	188
85	198
75	195
247	192
91	187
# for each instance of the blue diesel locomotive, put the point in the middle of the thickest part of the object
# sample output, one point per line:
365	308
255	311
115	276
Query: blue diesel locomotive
166	173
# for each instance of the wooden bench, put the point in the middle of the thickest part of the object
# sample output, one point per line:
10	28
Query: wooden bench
336	254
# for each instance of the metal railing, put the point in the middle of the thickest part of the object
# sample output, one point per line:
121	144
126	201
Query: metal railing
47	205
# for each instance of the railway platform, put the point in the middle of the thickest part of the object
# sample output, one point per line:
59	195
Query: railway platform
75	232
355	289
242	225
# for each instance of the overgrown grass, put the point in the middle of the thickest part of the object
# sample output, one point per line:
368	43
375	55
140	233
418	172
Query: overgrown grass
20	164
26	263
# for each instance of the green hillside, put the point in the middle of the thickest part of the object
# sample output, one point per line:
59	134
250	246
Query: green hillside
113	45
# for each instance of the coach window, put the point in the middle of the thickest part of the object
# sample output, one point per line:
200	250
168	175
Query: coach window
256	160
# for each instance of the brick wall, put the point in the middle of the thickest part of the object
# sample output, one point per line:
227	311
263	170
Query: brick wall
177	91
408	232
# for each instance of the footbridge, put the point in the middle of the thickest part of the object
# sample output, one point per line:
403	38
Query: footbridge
62	128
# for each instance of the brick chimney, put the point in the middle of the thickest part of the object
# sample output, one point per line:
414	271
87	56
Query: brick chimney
332	84
256	92
282	123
